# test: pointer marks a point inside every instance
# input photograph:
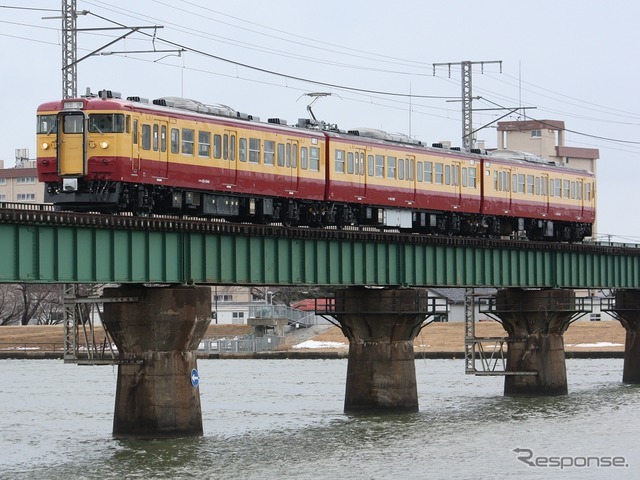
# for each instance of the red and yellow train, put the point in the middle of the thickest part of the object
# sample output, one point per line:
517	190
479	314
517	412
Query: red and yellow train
177	156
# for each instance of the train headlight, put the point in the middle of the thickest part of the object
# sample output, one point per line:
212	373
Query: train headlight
104	144
45	145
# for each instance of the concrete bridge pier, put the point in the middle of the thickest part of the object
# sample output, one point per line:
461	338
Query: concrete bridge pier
157	392
381	325
535	321
627	310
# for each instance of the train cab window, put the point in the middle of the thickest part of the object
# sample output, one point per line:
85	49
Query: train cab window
573	190
530	184
175	138
232	148
188	139
438	173
428	172
204	144
73	123
537	186
280	159
350	162
156	138
464	176
217	146
242	150
391	167
447	174
146	136
304	158
472	177
106	123
269	152
314	159
47	124
163	138
380	166
370	165
339	161
254	150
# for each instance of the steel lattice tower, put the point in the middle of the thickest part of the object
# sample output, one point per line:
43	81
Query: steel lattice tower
69	50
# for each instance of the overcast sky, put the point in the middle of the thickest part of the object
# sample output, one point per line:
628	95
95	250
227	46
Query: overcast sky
572	60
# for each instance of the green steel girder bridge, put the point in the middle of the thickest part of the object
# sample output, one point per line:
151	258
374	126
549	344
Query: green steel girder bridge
43	246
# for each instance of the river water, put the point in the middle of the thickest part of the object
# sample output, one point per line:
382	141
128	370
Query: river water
283	419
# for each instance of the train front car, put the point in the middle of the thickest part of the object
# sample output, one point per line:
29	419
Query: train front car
81	152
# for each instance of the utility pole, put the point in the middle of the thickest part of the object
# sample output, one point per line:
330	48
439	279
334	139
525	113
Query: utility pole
69	49
468	141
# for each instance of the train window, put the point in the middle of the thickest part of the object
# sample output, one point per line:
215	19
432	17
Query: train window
106	123
514	183
73	124
204	144
521	183
573	190
304	158
380	166
288	157
47	124
456	174
438	173
370	165
175	139
217	146
428	172
472	177
350	162
135	132
163	138
579	190
537	186
401	168
314	159
146	137
497	180
188	137
243	150
420	171
294	155
281	154
339	161
558	185
269	152
361	168
391	168
232	148
543	186
464	176
412	169
156	135
447	174
566	189
254	150
530	184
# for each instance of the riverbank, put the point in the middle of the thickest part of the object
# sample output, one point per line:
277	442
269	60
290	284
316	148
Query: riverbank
437	340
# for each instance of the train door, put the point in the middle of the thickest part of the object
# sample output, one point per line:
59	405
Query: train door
410	175
292	165
135	147
359	173
159	145
72	144
545	193
456	183
229	139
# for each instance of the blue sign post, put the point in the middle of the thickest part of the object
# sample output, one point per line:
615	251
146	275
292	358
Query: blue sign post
195	378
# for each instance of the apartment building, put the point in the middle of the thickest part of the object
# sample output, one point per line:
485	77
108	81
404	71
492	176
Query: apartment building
20	183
